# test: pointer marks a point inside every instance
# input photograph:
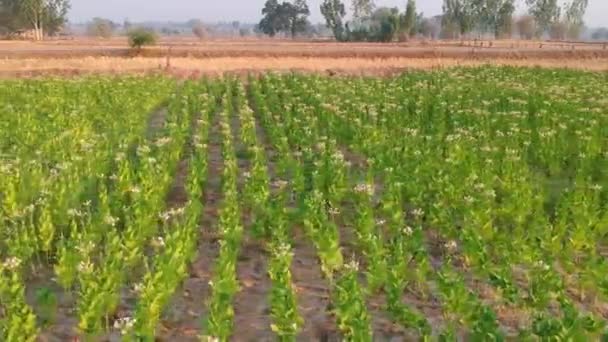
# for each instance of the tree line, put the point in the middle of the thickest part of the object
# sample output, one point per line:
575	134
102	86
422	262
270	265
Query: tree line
460	18
40	16
558	19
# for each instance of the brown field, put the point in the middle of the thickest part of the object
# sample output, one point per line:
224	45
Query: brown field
184	57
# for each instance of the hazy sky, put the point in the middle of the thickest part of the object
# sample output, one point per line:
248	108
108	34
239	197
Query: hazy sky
244	10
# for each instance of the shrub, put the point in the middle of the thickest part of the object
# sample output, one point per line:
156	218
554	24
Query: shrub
199	31
141	37
102	28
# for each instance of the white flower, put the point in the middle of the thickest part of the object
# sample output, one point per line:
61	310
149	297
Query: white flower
85	267
451	246
338	156
85	247
490	193
380	222
542	265
334	211
364	188
158	242
210	339
125	324
353	265
408	231
11	263
142	150
284	249
418	212
596	187
74	212
279	184
110	220
162	141
134	190
120	156
138	288
166	216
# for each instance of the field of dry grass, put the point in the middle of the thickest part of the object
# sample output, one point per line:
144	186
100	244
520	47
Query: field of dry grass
191	57
239	64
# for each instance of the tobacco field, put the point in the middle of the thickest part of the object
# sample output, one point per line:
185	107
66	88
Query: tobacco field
465	204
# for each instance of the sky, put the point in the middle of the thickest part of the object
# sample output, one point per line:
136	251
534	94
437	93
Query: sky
245	10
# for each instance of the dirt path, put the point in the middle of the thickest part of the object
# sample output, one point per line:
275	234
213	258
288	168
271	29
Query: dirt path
183	318
251	303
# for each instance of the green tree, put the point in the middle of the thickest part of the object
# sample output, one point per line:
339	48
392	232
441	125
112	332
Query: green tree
141	37
362	9
458	15
385	24
271	22
284	17
38	15
334	12
575	12
503	27
297	16
545	13
409	19
56	15
10	17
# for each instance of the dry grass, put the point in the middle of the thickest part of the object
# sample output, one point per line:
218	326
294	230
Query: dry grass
261	48
316	64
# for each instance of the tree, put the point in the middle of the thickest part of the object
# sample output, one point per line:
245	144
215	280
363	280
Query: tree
286	17
458	16
503	27
56	15
526	27
10	17
545	13
408	21
429	27
558	30
198	29
99	27
297	15
385	24
362	9
270	23
334	12
38	15
574	17
600	34
141	37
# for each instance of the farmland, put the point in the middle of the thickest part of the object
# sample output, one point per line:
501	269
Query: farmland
454	204
188	57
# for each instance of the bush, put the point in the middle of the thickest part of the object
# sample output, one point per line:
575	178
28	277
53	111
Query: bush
141	37
102	28
199	31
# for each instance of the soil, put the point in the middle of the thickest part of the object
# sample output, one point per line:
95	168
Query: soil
269	48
